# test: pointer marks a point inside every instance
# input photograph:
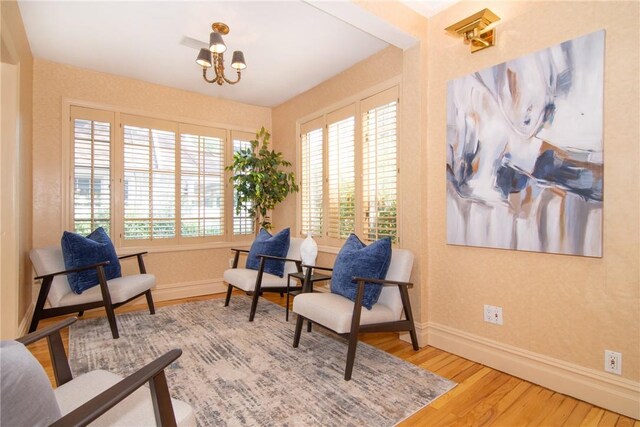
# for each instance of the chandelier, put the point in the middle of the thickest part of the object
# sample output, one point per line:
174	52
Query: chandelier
213	57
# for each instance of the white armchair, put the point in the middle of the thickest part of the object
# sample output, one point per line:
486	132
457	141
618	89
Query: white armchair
347	318
255	282
97	397
48	263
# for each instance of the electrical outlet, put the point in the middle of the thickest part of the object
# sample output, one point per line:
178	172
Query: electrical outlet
497	315
488	313
613	362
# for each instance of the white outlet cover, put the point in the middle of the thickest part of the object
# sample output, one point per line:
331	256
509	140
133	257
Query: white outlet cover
613	362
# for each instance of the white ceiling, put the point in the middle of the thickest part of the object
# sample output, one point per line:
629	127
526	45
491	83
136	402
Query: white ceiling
289	46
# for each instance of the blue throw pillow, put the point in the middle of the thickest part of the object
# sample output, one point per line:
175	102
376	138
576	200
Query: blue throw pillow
266	244
79	251
355	259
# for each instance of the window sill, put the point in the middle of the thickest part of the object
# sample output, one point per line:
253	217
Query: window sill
180	248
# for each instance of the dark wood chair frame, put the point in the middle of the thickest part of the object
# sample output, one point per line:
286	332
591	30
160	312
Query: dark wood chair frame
258	290
44	313
352	336
152	373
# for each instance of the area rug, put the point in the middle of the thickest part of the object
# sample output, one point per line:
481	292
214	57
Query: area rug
239	373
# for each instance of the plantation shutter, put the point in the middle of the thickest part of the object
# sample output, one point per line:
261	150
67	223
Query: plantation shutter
202	160
149	178
341	173
243	222
91	173
379	166
311	185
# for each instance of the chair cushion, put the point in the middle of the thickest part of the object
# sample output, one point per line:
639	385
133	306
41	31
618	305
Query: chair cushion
26	397
79	251
355	259
266	244
245	279
49	260
135	410
120	289
335	311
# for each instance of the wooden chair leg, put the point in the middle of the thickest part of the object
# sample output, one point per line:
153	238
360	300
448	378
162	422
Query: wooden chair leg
161	399
296	336
228	298
254	305
152	308
106	298
351	354
42	298
406	304
81	313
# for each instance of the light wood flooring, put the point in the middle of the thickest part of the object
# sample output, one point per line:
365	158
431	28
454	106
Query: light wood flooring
483	397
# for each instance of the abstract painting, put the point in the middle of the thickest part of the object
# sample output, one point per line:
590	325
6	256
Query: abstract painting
524	152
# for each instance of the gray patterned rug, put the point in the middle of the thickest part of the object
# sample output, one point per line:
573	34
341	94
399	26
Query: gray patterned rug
237	373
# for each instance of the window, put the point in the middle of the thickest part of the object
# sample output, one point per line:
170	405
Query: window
149	181
356	163
92	141
202	212
243	223
379	171
154	182
311	179
341	174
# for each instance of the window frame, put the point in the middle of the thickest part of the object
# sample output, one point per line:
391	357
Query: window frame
376	96
70	107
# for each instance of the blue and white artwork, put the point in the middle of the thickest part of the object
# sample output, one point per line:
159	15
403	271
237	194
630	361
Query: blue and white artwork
524	152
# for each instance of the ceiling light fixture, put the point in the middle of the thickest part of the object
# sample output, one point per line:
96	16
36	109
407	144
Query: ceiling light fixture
213	57
473	30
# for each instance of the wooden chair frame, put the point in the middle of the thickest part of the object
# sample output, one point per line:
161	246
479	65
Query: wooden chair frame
44	313
152	373
352	336
258	290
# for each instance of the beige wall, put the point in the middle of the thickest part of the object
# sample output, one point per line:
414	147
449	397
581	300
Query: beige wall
16	50
54	83
569	308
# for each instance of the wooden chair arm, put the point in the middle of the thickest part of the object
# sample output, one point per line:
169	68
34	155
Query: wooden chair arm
74	270
59	361
141	267
236	256
132	255
317	267
152	373
43	333
279	258
383	282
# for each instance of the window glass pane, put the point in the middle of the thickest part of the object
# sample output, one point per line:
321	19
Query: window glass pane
379	172
149	183
91	175
311	182
201	185
341	178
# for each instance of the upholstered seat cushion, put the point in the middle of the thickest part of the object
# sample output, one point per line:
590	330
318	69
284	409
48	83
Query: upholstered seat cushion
22	378
135	410
335	311
120	289
245	279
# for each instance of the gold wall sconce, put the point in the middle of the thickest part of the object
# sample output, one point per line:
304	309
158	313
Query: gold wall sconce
473	30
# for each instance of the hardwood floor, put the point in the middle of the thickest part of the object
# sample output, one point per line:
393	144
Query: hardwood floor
483	397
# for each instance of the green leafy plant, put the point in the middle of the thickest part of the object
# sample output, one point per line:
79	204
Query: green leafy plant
260	179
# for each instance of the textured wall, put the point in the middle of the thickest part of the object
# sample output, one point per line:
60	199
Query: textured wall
14	33
566	307
54	82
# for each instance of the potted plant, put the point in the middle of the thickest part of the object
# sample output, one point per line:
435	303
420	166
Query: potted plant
260	179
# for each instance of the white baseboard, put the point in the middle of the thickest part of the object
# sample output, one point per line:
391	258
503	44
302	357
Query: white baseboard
23	327
171	291
599	388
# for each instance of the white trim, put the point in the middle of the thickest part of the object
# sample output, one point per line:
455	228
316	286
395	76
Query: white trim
170	291
23	327
606	390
